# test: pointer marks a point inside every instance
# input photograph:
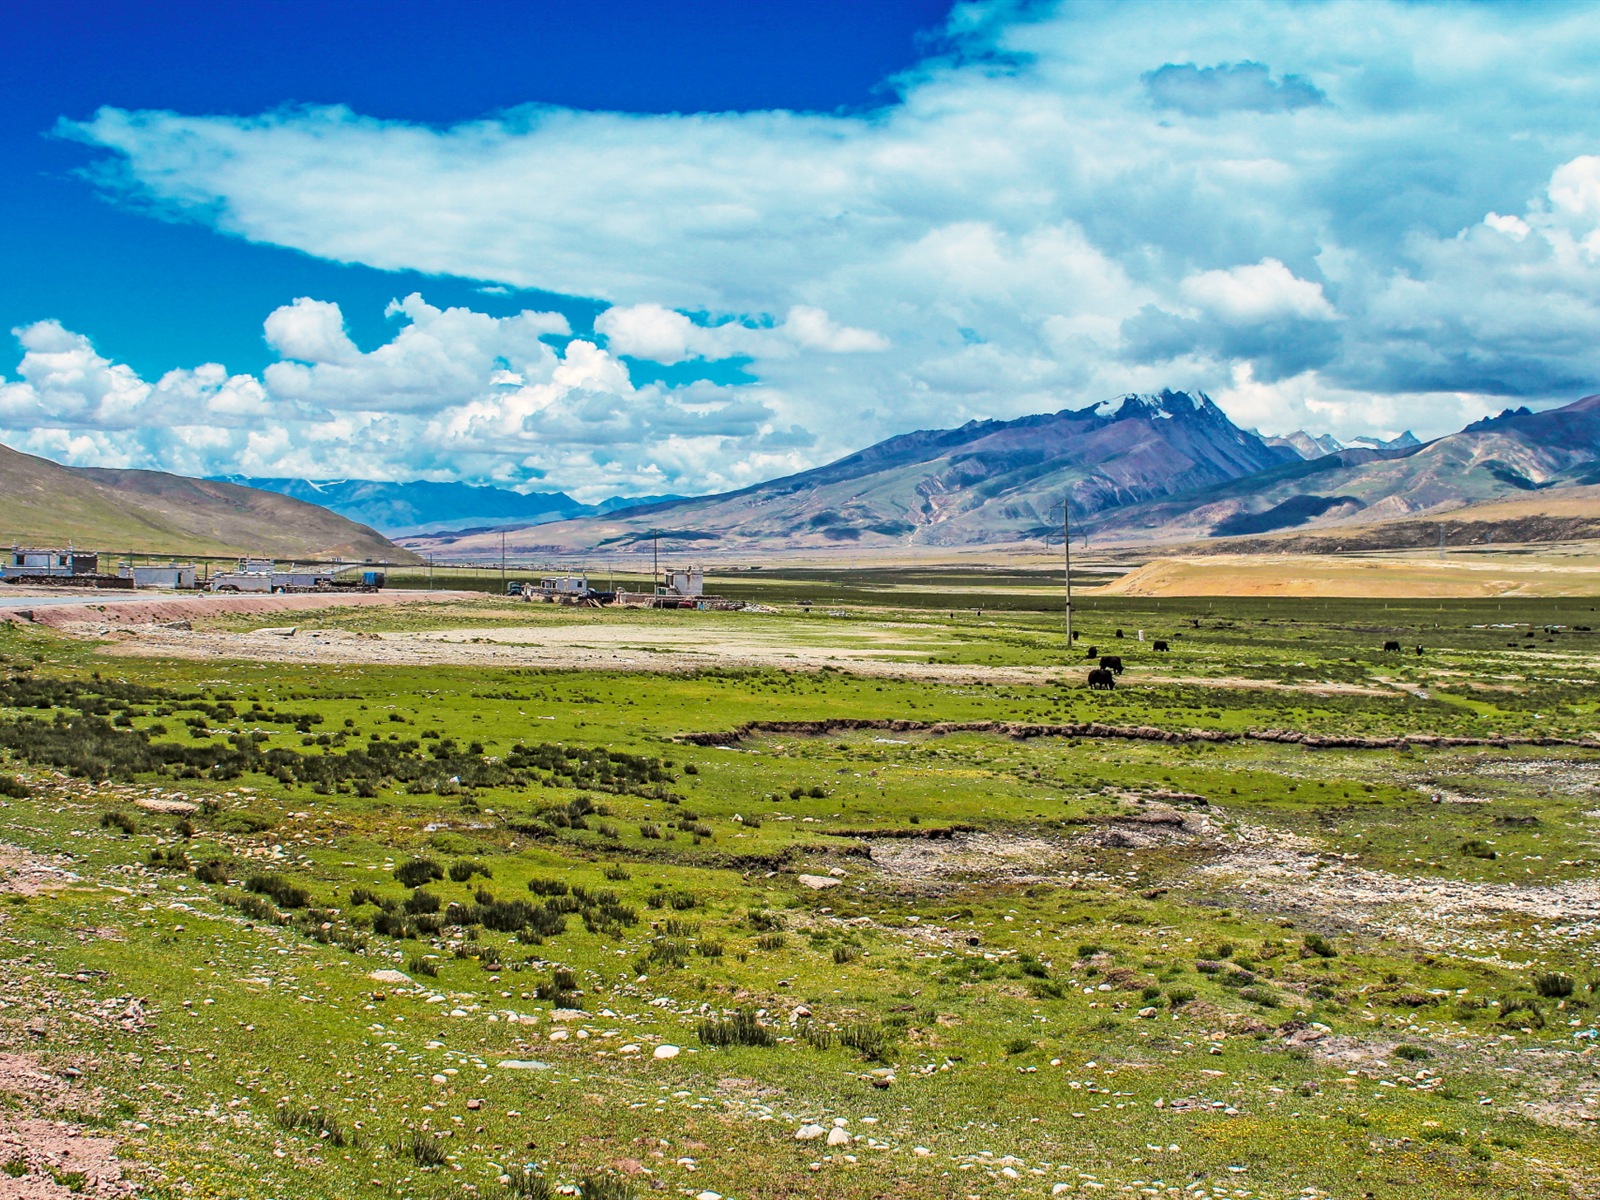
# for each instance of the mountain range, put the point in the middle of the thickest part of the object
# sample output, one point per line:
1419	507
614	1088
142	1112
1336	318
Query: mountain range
1139	469
421	505
46	504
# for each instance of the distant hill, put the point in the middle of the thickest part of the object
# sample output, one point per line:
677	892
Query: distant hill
44	503
419	506
1308	445
1518	454
1160	468
986	482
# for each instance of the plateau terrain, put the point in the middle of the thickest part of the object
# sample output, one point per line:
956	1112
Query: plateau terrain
857	892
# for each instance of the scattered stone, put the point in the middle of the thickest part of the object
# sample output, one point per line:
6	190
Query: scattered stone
390	976
809	1133
522	1064
666	1050
838	1137
818	882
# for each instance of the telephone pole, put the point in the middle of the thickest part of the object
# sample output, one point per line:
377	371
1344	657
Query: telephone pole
1066	550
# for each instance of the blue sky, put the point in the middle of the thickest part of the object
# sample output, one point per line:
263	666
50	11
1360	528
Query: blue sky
683	247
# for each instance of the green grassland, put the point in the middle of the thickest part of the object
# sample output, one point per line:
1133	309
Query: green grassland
1058	963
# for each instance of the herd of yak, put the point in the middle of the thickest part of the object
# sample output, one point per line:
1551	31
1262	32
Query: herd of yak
1104	677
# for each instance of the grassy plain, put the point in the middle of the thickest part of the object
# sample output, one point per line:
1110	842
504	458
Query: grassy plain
1074	962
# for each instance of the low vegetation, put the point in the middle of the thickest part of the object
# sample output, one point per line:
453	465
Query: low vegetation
454	932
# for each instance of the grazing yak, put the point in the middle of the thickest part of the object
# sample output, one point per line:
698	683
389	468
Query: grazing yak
1111	662
1391	646
1094	652
1101	680
1159	645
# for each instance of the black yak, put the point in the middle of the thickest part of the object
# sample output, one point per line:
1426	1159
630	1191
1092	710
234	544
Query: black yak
1101	680
1111	662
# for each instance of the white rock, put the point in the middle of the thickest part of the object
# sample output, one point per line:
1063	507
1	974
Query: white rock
809	1133
1059	1188
838	1137
708	1196
817	882
522	1064
921	1151
567	1014
666	1050
440	1079
388	976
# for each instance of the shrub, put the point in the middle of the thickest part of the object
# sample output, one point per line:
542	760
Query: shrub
422	966
1475	848
13	787
741	1029
709	949
422	1150
119	820
214	870
421	901
1412	1053
764	921
617	873
465	869
1179	996
845	954
1018	1045
528	1184
605	1187
418	872
284	893
548	887
1316	944
170	859
311	1120
1554	985
868	1039
771	941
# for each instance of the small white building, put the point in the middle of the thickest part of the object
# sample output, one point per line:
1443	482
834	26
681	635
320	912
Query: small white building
174	575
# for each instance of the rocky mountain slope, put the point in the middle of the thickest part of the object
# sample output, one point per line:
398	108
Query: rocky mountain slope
44	503
986	482
1163	468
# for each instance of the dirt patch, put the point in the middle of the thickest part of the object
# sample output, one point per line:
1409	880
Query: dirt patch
1438	913
46	1159
26	874
58	1161
171	808
943	863
188	608
885	652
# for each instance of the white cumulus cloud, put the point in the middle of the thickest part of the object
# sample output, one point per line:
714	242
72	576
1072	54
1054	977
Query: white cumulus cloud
1275	202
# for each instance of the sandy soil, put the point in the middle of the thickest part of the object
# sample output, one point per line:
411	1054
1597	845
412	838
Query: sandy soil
1396	577
52	1153
590	646
25	874
172	606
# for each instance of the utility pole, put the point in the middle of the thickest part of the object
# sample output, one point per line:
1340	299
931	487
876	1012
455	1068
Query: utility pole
502	561
655	543
1066	550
